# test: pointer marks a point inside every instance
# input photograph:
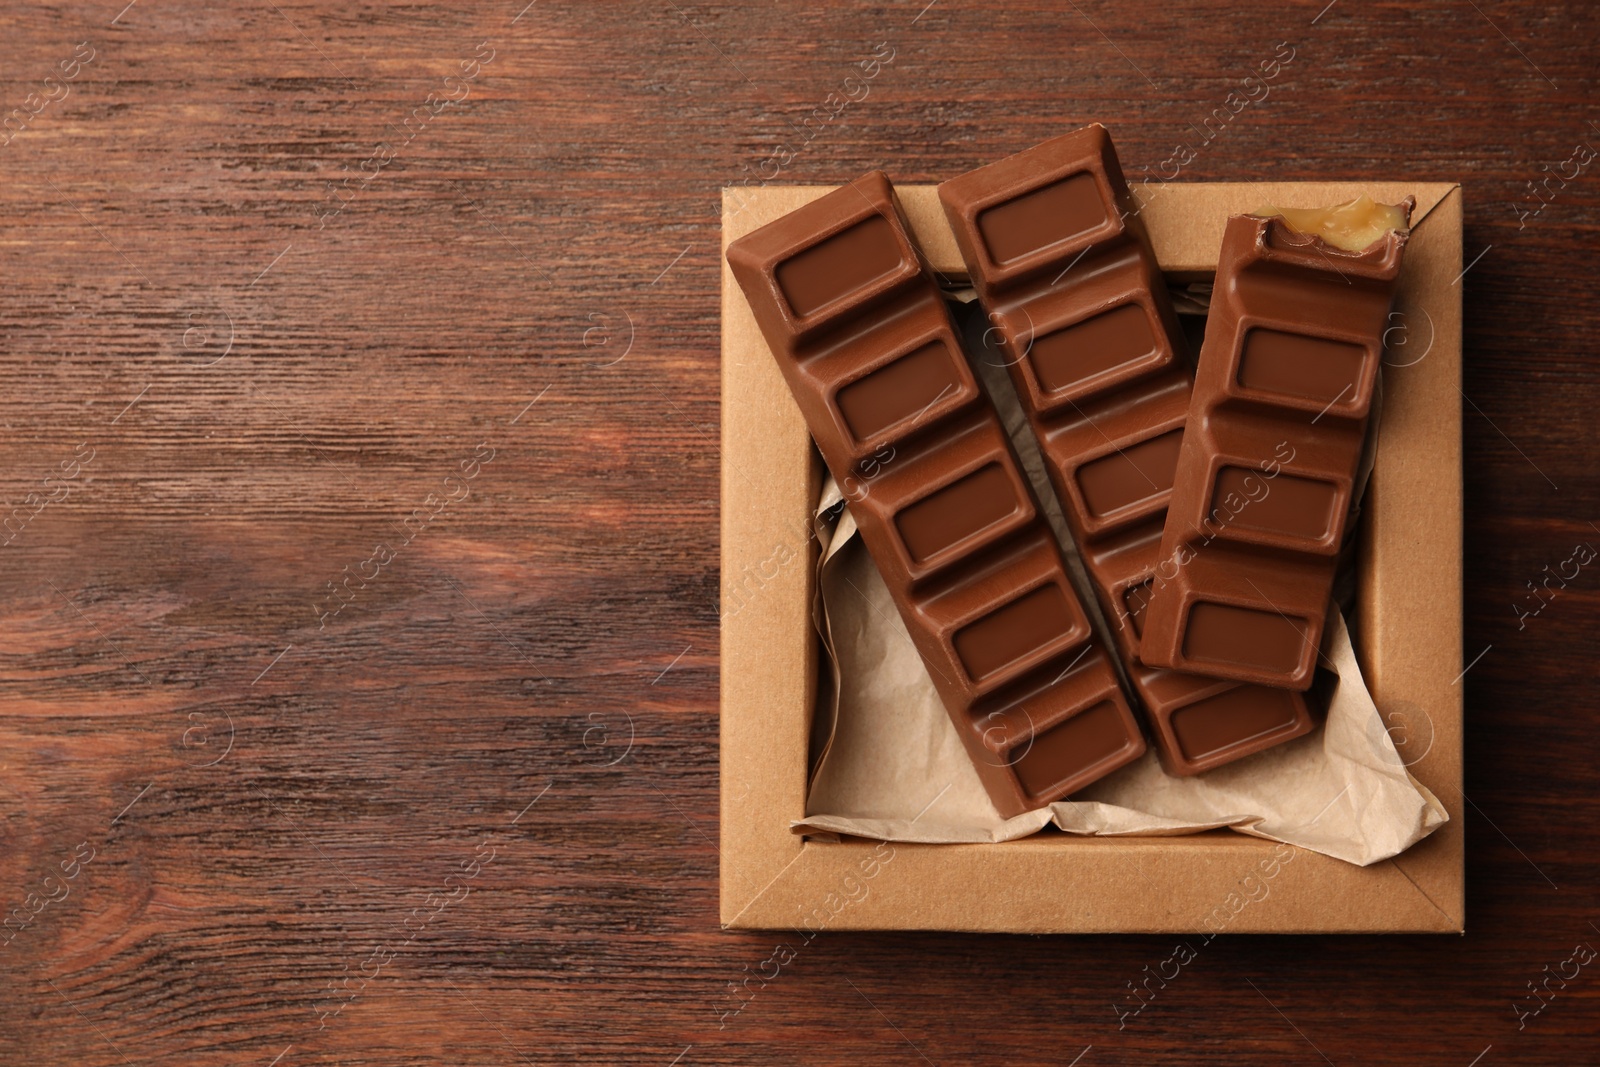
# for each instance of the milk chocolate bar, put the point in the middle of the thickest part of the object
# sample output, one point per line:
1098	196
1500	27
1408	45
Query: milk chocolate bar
861	333
1270	449
1081	317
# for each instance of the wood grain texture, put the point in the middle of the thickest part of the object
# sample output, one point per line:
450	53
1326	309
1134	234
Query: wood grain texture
468	818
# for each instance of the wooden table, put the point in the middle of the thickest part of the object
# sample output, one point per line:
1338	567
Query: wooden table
359	583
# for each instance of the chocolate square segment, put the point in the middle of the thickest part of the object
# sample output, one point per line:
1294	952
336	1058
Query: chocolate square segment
1058	212
1298	509
1015	631
1301	367
1232	718
1065	358
961	510
1223	633
1082	741
1130	475
899	391
834	268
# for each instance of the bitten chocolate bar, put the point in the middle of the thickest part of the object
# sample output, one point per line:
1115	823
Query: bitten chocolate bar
1271	446
863	338
1064	269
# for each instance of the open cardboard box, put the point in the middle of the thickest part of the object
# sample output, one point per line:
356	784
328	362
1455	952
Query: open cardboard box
1407	629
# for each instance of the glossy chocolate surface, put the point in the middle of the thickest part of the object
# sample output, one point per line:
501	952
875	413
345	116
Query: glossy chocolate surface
1270	450
1084	324
863	338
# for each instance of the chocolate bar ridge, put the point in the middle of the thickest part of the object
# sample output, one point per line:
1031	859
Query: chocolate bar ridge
861	333
1063	267
1270	453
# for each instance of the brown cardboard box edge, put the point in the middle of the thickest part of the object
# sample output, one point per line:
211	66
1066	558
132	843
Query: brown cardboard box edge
1408	628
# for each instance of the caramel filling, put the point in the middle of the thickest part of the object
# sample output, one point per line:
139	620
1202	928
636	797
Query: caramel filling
1353	227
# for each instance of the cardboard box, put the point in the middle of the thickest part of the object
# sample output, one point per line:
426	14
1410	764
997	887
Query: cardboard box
1407	629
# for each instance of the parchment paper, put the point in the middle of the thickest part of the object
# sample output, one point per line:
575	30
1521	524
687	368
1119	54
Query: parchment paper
891	767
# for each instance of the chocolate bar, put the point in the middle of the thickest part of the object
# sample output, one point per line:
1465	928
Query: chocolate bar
861	334
1272	443
1081	317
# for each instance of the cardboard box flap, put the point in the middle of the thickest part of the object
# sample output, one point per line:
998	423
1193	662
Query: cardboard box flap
1410	562
1113	885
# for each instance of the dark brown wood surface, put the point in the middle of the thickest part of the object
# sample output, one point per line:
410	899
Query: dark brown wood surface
265	310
